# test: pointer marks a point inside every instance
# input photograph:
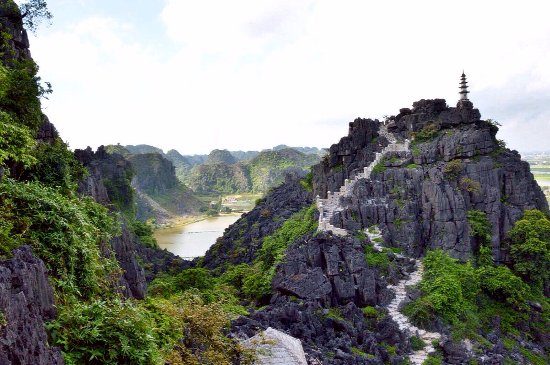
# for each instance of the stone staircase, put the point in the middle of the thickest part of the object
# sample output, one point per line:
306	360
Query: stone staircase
327	207
400	290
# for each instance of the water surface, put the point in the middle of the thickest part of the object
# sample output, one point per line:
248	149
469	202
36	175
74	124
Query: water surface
193	240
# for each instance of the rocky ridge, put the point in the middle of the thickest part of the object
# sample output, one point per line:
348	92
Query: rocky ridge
455	164
26	303
327	208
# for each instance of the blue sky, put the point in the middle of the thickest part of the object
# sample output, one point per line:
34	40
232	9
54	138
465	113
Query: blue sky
251	74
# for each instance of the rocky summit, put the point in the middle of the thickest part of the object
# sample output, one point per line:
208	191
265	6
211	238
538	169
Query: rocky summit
454	164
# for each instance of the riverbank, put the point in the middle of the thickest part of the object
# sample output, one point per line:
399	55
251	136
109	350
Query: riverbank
190	240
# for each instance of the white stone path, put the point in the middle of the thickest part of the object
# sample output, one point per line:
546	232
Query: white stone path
418	357
327	208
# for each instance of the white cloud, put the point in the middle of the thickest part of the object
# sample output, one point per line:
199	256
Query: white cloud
253	74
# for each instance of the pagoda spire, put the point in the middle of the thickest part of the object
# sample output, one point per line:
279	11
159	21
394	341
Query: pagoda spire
463	87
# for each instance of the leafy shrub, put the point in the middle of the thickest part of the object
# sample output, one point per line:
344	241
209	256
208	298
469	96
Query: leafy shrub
433	360
417	343
470	185
480	227
275	245
20	94
16	143
357	351
65	232
57	166
530	247
449	289
307	182
376	259
144	231
105	332
427	133
370	312
379	168
453	168
501	284
198	278
203	327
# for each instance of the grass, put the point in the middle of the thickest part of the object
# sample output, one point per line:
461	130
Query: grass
358	352
335	314
376	259
417	343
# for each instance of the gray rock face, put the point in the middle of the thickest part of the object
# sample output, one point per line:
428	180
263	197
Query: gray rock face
26	302
109	179
47	132
459	167
109	182
274	347
331	271
12	23
132	281
241	241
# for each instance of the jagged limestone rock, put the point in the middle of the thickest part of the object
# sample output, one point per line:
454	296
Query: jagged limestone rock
26	303
274	347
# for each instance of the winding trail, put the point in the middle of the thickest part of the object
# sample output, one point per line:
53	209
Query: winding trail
327	207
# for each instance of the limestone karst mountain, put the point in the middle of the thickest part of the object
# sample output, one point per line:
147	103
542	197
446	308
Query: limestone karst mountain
318	272
230	172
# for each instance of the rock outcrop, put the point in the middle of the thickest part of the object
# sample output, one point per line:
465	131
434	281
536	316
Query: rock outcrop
26	303
155	179
108	183
16	43
132	281
274	347
330	270
455	164
242	239
109	180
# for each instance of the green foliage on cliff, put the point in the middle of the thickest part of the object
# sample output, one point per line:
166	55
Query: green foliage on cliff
56	167
258	284
181	329
467	298
530	247
448	287
66	232
144	231
427	133
16	143
480	227
21	92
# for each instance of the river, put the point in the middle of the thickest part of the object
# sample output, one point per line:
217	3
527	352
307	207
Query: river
194	239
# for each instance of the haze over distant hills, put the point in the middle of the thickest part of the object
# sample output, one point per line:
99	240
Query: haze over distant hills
226	172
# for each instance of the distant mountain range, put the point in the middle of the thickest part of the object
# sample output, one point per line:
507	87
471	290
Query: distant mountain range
227	172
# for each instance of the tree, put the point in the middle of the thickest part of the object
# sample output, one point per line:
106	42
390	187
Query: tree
530	247
34	12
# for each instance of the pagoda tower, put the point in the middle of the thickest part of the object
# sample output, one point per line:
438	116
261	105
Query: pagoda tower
463	87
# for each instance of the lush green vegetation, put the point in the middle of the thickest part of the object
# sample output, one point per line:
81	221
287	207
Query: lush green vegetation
467	297
258	285
376	258
530	247
481	229
453	168
39	207
429	132
66	232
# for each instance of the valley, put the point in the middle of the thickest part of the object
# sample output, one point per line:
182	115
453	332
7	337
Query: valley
417	239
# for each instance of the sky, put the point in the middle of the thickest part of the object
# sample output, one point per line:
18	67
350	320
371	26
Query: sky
252	74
